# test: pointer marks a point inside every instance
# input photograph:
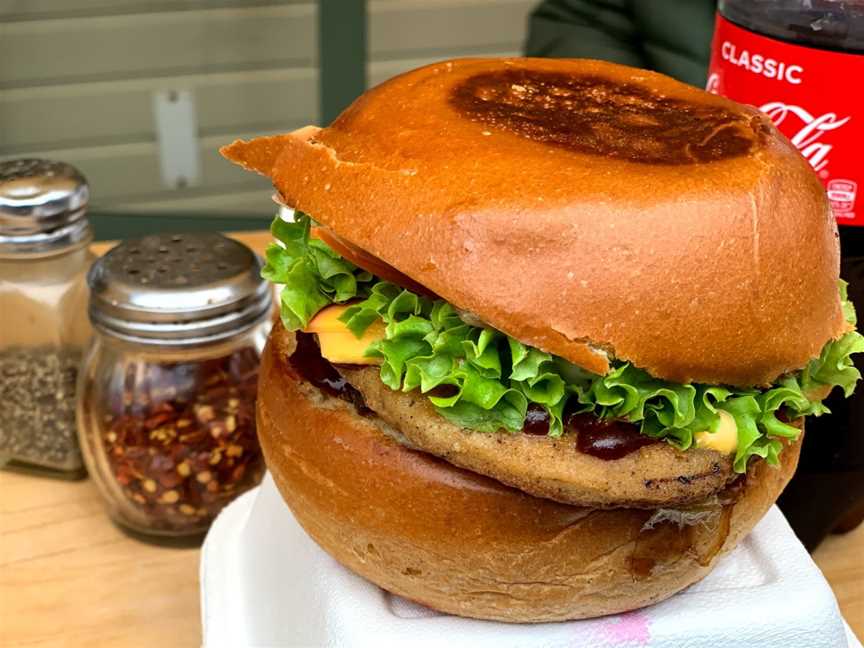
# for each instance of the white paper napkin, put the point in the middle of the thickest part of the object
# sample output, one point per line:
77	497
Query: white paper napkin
265	583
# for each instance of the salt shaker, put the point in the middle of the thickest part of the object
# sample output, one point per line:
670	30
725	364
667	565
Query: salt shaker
167	388
44	257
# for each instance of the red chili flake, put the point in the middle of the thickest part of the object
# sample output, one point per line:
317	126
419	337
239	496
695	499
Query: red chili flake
181	439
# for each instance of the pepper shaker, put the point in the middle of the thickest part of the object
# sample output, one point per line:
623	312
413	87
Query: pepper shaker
167	389
44	257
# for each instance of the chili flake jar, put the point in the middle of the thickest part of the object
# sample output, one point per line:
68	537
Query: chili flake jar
166	409
44	257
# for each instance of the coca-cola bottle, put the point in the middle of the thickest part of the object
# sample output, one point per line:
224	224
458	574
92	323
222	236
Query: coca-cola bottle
802	63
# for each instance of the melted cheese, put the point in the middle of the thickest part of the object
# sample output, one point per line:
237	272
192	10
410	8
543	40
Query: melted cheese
724	440
338	344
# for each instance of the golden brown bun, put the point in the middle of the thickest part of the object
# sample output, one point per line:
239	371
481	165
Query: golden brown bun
581	207
465	544
655	475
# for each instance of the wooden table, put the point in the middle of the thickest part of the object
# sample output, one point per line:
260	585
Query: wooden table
70	577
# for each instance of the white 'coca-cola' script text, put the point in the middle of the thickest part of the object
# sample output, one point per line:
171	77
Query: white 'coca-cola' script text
812	128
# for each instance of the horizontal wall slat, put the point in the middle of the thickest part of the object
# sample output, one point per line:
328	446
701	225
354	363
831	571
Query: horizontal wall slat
409	26
53	117
257	202
41	9
54	51
65	116
61	51
111	226
131	171
380	71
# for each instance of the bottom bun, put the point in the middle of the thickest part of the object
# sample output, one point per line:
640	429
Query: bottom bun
467	545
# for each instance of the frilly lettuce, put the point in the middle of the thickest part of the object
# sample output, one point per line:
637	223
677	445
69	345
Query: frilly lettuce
483	380
312	275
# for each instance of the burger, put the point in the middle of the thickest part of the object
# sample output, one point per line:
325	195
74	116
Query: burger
549	332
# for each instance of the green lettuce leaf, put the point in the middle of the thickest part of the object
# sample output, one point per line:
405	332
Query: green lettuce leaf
481	379
311	274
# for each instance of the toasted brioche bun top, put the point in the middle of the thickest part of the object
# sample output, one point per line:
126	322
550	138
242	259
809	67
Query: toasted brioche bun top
588	209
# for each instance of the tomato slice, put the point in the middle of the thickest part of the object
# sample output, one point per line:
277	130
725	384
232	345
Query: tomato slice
362	259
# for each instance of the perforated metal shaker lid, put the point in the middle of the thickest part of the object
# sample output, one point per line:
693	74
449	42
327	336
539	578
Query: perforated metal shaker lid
42	206
178	289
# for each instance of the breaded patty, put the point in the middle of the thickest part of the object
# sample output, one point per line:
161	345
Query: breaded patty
655	475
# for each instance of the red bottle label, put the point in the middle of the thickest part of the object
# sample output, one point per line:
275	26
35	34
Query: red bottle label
815	97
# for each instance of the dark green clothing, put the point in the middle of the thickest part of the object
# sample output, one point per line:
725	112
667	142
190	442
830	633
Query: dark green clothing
670	36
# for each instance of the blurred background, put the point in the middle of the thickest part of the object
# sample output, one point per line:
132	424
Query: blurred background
139	94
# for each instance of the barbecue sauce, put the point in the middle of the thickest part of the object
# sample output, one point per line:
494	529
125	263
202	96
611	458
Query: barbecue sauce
536	421
607	440
312	367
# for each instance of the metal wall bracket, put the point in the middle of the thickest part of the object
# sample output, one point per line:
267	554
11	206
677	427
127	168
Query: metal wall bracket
177	138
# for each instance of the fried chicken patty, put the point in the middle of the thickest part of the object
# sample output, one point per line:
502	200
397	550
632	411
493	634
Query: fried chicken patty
553	468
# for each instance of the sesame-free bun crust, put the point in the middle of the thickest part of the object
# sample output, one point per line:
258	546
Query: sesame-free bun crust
465	544
582	207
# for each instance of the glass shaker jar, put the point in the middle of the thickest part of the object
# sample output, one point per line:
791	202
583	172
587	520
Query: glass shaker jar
44	257
166	410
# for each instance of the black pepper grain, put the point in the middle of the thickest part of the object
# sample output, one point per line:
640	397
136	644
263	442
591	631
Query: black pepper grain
37	408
